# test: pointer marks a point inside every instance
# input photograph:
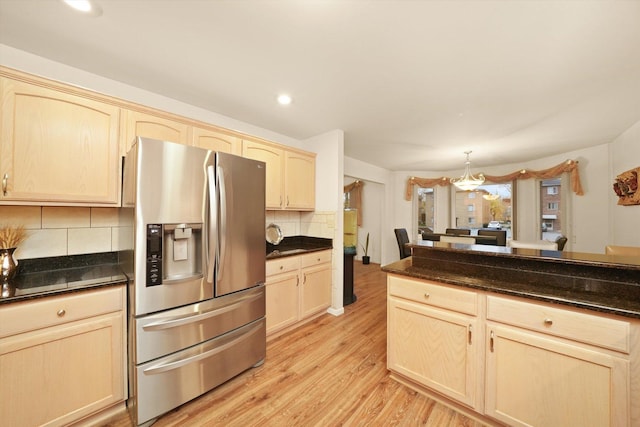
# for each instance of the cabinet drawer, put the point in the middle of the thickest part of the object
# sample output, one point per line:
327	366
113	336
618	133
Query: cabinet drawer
315	258
282	265
590	329
434	294
31	315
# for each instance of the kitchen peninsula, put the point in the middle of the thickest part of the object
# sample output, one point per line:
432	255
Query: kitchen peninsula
518	336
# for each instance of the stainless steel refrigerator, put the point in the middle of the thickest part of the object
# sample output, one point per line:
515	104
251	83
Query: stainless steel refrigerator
194	220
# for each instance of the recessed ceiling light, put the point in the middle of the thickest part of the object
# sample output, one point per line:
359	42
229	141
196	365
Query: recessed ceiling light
84	6
284	99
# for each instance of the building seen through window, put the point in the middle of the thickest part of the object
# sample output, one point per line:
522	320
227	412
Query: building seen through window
488	206
426	209
550	209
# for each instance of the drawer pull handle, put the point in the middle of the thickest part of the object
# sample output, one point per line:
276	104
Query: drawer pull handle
548	321
426	295
61	312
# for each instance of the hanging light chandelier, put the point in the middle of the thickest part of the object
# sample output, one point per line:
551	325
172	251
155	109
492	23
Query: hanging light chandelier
468	182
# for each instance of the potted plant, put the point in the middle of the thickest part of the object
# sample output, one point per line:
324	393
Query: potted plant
365	247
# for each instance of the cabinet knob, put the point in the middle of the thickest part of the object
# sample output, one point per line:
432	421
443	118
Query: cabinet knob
61	312
548	321
426	295
281	267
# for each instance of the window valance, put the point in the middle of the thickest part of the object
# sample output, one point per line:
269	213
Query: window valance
570	166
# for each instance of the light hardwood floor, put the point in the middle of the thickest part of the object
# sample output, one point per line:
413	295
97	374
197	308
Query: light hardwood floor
329	372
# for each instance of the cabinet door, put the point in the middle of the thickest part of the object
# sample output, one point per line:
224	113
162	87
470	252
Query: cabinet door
538	381
316	290
150	126
216	141
56	147
57	375
300	181
274	158
282	301
435	348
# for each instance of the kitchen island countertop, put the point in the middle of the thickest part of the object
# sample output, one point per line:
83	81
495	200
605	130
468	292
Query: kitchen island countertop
588	281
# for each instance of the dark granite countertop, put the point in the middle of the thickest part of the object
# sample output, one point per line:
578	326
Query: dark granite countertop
297	245
44	277
589	281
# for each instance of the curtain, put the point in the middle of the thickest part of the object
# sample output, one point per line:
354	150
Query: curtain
355	197
570	166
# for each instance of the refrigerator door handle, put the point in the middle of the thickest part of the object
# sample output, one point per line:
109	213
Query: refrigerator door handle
222	212
198	317
169	366
212	238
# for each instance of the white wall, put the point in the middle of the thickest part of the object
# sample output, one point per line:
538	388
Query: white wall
329	186
624	227
377	210
595	218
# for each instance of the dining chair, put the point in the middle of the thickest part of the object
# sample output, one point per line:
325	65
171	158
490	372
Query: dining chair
458	231
403	238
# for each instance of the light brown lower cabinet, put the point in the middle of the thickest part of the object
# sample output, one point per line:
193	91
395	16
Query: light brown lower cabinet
516	363
298	288
62	358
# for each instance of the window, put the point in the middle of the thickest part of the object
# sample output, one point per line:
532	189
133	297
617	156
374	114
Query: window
425	209
489	202
551	226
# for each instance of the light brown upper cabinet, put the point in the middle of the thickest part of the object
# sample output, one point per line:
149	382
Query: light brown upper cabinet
136	123
290	175
57	147
216	141
299	180
274	159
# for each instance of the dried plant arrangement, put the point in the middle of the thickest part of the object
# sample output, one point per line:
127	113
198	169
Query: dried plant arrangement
12	236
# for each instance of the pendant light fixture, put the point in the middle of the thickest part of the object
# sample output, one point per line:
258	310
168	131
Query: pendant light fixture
468	182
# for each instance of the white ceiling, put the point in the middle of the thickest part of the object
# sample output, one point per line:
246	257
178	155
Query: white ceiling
413	84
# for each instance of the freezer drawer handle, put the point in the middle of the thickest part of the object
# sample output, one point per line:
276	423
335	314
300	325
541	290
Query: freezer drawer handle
158	369
175	322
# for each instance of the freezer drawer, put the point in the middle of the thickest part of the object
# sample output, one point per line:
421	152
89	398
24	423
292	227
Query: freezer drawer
172	330
166	383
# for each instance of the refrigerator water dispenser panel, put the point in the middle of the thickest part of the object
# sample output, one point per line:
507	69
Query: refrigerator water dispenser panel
154	254
182	251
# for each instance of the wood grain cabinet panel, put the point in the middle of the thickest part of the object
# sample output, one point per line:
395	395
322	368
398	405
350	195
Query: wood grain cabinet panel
536	381
216	141
57	147
274	160
290	175
146	125
67	370
518	362
298	288
299	179
436	348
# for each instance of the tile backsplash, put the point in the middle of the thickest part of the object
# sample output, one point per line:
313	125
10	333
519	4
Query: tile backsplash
59	231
